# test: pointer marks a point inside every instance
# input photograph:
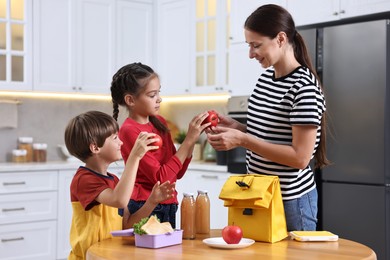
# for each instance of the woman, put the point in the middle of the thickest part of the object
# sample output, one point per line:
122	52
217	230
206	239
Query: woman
286	115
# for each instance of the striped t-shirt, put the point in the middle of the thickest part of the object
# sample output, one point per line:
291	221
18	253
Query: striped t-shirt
274	106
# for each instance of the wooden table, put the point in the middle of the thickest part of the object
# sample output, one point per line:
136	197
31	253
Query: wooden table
122	248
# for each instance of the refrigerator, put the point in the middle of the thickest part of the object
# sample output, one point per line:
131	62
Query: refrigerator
354	191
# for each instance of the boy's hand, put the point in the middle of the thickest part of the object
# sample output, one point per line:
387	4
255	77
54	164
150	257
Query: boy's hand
141	145
162	192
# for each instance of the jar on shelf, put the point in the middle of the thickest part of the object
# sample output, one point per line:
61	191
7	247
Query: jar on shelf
19	155
202	211
187	211
39	152
25	143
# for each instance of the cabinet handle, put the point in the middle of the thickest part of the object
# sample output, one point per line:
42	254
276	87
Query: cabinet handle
14	209
14	183
4	240
209	176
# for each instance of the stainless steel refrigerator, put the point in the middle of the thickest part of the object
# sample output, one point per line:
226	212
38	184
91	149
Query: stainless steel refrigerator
353	61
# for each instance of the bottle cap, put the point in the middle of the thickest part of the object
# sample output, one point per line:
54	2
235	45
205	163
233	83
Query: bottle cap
39	146
186	194
19	152
25	140
202	191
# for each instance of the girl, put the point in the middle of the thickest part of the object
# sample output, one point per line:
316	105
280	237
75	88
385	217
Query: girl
137	87
286	115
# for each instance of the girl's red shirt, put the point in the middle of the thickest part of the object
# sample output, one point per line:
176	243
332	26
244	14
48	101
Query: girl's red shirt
157	165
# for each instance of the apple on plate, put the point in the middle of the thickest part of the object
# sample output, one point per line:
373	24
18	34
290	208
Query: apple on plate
211	118
232	234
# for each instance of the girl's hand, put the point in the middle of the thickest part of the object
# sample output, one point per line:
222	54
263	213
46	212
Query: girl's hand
141	145
162	192
195	127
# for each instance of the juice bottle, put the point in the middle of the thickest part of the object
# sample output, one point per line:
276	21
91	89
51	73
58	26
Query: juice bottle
202	211
188	216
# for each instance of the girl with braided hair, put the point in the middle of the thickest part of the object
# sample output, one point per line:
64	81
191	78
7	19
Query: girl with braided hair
137	87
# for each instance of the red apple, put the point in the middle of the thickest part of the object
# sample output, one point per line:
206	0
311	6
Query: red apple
211	118
232	234
158	143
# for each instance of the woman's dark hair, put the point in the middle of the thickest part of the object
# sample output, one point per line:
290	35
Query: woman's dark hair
131	80
92	127
269	20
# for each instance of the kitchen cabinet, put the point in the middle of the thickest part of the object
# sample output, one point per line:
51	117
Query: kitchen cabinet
192	57
174	46
212	181
311	12
28	202
64	213
210	57
243	71
94	41
93	38
52	45
241	11
134	33
79	58
16	45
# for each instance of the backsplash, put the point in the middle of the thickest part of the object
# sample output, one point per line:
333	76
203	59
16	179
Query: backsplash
45	120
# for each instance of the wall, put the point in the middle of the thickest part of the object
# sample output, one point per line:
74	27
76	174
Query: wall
45	119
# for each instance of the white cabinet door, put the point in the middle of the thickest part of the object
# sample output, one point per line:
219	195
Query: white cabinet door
307	12
195	180
134	33
28	241
64	213
28	181
52	45
173	46
310	12
243	71
16	45
353	8
27	207
94	40
240	10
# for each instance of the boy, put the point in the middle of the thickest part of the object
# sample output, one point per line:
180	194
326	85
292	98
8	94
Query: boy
97	194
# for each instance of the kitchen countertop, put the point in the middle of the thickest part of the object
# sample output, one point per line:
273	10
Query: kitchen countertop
72	165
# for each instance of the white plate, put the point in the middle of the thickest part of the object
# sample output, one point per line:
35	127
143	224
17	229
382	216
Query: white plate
123	233
218	242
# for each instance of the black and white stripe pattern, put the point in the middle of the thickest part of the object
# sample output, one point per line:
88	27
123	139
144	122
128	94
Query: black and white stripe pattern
274	106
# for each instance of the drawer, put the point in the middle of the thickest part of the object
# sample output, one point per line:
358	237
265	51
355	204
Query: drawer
32	241
16	182
26	207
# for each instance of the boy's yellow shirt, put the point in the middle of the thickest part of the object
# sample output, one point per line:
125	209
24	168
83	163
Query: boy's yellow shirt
91	226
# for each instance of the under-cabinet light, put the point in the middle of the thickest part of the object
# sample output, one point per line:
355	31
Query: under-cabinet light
79	96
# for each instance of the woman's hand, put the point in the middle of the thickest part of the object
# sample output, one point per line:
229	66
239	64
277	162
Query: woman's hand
224	138
228	122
